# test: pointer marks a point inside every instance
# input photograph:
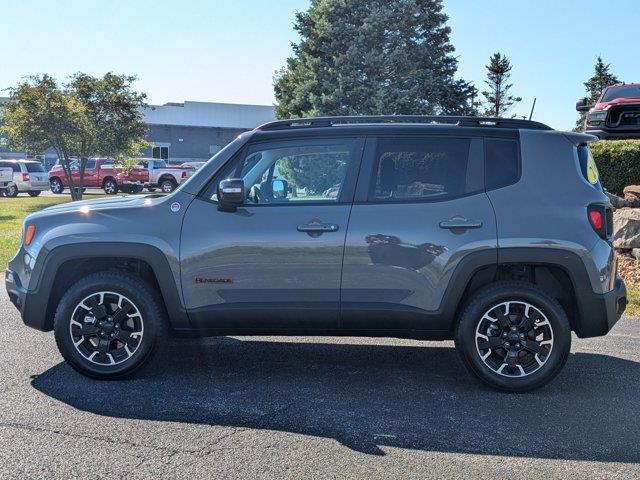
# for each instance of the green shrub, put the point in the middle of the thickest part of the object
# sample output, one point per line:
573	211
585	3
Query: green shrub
618	162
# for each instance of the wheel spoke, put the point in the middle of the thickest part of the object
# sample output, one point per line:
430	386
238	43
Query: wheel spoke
511	358
528	322
97	309
121	313
87	330
103	349
124	336
503	320
490	343
531	345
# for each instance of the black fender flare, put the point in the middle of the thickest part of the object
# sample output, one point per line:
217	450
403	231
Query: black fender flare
37	310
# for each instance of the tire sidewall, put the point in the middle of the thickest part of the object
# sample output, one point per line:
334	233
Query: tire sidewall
466	337
56	186
110	184
12	191
143	300
169	183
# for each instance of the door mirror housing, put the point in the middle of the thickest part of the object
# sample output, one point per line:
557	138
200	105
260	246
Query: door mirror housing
231	193
582	105
279	189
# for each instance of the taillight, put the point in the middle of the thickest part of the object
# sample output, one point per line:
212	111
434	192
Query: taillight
184	174
601	220
29	233
25	177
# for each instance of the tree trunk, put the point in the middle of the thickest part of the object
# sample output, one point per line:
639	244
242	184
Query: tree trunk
83	164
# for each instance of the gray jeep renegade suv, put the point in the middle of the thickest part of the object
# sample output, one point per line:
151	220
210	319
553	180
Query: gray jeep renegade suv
495	233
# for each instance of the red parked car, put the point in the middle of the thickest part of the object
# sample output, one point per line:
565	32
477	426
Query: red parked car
616	114
99	173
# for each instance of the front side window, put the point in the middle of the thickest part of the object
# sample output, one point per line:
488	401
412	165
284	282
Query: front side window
294	171
426	168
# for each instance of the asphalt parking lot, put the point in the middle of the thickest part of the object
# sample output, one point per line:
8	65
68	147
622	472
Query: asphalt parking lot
314	408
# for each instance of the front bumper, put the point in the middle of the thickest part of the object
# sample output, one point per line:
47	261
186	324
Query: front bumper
605	133
600	312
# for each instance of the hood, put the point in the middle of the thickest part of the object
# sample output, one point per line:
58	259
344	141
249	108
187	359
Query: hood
615	101
99	204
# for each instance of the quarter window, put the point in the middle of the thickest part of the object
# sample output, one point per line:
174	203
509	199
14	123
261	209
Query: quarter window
431	168
502	163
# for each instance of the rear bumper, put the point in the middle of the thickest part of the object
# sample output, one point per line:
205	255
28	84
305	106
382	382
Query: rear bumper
600	312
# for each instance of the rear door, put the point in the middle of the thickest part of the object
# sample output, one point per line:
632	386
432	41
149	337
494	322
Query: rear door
275	262
420	208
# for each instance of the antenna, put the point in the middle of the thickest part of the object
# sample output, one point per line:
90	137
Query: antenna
532	108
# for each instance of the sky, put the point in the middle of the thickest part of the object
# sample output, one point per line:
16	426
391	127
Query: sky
228	51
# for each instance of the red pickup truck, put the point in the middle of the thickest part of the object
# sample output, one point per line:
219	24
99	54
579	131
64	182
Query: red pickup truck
99	173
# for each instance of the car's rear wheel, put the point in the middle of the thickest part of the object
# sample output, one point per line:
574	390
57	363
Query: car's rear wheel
56	186
108	324
167	185
12	191
110	186
34	193
513	336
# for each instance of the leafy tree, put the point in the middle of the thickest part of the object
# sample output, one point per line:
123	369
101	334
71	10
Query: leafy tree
371	57
498	100
600	80
86	117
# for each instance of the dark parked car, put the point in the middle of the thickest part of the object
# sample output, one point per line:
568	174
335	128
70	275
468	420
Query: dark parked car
414	227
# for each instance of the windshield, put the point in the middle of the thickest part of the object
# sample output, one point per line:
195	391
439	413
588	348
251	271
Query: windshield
34	167
625	91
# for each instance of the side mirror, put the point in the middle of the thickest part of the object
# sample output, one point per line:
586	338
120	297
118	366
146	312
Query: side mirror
231	193
279	189
582	105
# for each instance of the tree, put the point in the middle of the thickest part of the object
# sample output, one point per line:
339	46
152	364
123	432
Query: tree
600	80
498	100
86	117
371	57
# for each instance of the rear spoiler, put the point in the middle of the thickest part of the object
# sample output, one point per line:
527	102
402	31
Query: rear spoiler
580	138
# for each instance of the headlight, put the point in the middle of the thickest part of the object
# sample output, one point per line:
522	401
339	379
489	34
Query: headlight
595	118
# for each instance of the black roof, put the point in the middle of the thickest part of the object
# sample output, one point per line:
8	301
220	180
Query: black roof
316	122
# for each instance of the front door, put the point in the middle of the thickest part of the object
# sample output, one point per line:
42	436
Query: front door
275	262
420	208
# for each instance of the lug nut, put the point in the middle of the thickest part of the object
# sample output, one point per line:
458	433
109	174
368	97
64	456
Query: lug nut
507	344
517	345
522	336
504	334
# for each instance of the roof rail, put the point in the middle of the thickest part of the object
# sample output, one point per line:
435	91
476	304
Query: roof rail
423	119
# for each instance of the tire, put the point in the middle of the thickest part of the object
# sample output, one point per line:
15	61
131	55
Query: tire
496	344
11	191
128	345
110	186
34	193
167	185
151	189
56	186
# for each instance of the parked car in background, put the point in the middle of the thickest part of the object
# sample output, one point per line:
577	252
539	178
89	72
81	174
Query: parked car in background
162	176
616	114
98	173
6	177
28	176
192	167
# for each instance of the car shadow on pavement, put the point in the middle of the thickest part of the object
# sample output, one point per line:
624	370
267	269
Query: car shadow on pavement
371	396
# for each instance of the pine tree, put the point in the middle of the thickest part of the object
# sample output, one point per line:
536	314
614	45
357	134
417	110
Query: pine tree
498	100
370	57
600	80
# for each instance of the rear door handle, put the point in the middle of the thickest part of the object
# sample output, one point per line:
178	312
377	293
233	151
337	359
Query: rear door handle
461	223
318	227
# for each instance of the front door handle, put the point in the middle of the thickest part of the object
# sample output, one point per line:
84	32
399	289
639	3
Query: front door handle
460	223
318	227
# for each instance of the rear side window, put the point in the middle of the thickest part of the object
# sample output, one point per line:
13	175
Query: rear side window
34	167
426	168
588	166
502	163
12	165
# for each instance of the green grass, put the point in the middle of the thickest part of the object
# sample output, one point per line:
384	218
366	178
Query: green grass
12	213
633	295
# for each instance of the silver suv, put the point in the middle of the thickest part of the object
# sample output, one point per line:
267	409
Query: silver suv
446	228
29	176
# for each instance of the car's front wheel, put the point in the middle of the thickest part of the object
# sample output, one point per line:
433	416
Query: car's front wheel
110	186
167	186
513	336
108	324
